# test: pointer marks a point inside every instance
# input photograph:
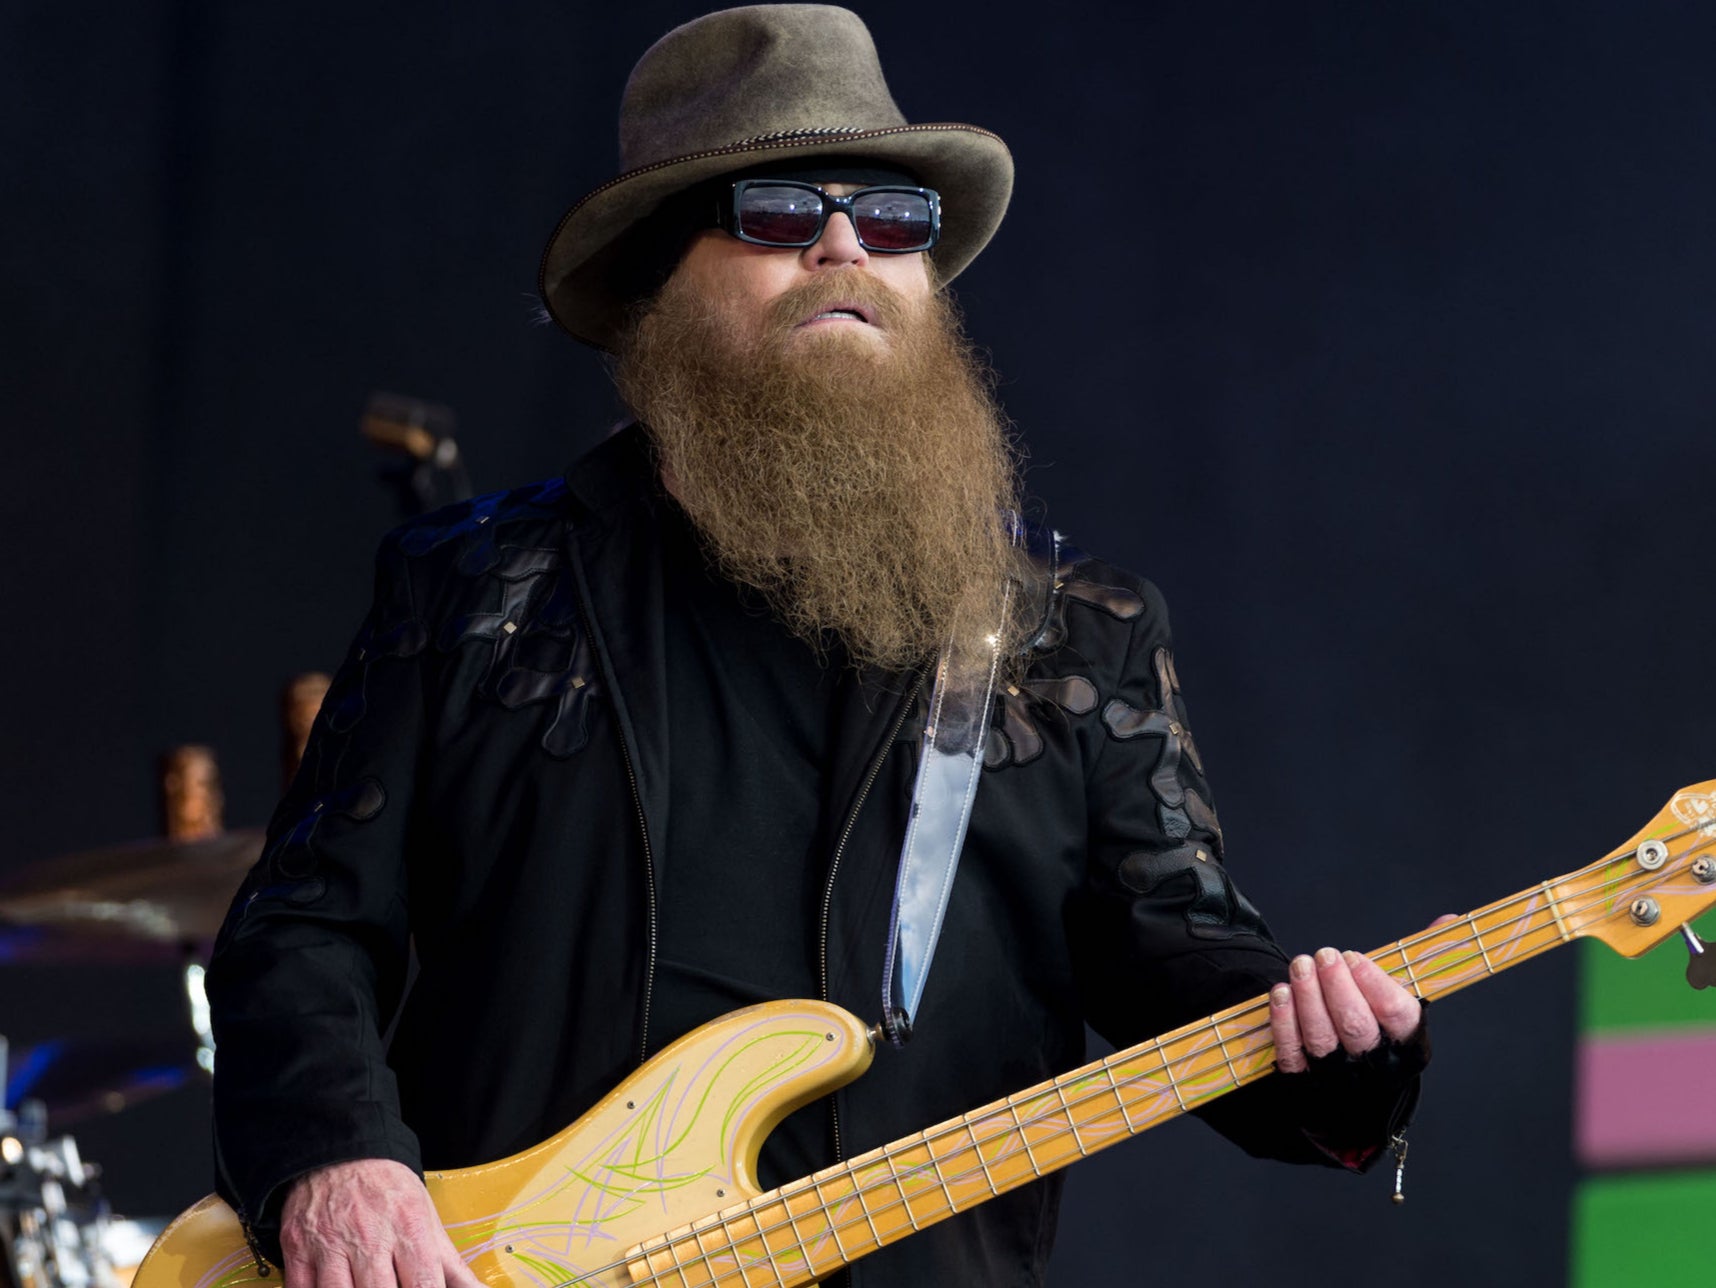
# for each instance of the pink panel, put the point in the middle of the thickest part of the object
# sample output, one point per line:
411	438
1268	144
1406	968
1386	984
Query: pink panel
1647	1099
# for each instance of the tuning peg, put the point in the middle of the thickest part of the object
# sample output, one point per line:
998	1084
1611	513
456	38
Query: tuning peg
1701	970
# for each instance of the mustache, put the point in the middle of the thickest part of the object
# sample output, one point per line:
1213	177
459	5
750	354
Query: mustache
882	304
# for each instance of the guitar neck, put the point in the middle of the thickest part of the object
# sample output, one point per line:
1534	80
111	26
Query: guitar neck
810	1228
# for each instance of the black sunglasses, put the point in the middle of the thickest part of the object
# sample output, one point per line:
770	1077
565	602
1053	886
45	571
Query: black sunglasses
889	220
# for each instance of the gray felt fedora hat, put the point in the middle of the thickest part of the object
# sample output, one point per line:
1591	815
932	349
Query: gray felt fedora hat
745	87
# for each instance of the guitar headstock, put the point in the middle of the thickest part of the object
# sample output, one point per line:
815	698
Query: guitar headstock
1646	889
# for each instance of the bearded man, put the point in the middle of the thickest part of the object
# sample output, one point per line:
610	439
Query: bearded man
623	751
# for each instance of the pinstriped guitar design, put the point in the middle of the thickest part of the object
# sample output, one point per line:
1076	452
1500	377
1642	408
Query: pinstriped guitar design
656	1183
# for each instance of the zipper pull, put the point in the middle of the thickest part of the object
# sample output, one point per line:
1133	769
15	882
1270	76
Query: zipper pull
263	1269
1397	1143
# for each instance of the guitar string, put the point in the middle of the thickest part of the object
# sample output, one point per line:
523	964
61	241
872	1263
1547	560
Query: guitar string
860	1191
964	1126
1635	879
680	1269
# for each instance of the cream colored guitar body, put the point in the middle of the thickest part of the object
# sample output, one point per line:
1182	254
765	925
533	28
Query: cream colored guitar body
676	1141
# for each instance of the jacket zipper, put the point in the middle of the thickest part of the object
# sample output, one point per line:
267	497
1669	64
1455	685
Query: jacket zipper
870	777
254	1244
649	884
588	617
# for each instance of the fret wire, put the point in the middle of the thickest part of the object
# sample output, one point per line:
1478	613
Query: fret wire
823	1206
708	1258
900	1185
1619	887
1411	975
935	1166
1555	911
1478	938
678	1267
792	1221
1221	1042
1125	1113
864	1207
730	1245
713	1224
1072	1126
982	1162
1168	1068
655	1274
1024	1139
671	1247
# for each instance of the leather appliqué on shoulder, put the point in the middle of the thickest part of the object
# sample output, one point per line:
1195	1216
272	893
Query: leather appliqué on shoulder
1116	601
1068	584
1015	735
537	651
527	617
1071	693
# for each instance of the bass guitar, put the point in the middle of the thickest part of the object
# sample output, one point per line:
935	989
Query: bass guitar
657	1183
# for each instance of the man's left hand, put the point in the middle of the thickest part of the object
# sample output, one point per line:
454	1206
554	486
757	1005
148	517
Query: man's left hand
1337	999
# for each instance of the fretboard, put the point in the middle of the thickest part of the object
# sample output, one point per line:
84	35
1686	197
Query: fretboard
808	1229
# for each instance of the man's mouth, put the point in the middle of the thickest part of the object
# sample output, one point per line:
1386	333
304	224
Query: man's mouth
839	313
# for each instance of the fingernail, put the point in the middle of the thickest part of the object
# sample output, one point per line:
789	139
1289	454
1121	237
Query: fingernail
1300	967
1352	959
1327	957
1280	995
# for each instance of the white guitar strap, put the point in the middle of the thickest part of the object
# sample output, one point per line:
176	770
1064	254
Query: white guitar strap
948	774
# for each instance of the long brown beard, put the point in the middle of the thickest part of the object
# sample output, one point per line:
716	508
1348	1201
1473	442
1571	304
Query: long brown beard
861	488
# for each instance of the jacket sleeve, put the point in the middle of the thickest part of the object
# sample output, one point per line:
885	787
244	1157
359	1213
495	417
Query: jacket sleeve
309	966
1164	937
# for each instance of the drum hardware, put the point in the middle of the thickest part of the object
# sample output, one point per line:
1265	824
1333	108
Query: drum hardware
55	1228
157	901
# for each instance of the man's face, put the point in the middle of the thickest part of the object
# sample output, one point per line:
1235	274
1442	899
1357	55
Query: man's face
852	469
744	279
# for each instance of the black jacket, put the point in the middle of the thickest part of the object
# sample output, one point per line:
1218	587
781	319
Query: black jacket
482	786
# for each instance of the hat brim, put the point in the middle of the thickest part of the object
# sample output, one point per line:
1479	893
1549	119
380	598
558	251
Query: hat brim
586	279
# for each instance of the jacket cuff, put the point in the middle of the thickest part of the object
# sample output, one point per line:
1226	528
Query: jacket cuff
259	1209
1351	1107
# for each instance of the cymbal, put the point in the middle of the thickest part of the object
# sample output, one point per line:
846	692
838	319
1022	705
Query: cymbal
143	901
79	1078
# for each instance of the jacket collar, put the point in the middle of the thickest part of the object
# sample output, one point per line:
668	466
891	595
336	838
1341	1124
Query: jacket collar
616	474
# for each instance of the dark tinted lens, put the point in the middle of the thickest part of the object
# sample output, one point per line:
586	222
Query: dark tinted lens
893	220
781	215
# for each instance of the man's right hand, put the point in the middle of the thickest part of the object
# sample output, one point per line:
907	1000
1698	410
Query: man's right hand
366	1224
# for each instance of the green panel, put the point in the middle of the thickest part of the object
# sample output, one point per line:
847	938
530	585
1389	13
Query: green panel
1643	992
1646	1229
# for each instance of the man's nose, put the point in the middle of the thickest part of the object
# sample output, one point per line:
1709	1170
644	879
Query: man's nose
838	245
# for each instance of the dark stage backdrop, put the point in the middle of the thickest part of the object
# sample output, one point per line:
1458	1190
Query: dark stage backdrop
1381	336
